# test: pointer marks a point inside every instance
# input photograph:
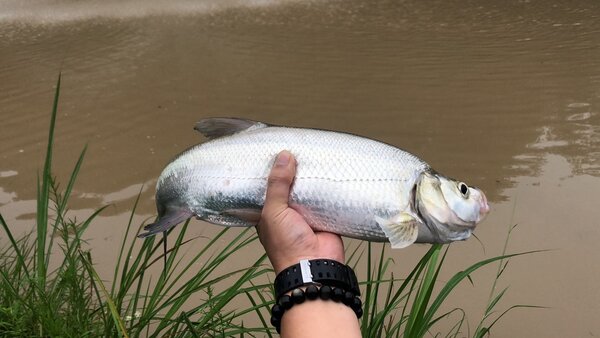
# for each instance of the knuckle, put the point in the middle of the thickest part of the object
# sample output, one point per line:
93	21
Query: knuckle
275	180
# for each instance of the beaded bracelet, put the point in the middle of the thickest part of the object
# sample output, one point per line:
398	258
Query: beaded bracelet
312	292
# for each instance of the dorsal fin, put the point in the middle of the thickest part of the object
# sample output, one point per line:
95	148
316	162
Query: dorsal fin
214	127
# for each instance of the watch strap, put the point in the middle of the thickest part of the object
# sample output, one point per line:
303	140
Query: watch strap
323	271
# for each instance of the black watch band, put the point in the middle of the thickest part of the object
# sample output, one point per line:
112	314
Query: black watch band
323	271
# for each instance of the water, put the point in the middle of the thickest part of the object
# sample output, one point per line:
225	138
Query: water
504	95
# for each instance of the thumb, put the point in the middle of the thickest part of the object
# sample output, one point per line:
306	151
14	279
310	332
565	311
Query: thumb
279	182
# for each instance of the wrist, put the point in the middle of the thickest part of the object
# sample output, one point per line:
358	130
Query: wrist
282	264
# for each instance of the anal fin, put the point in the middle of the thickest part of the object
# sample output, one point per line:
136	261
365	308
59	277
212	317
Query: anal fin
251	216
402	230
235	217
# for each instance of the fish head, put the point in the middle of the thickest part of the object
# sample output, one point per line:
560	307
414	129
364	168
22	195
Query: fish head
450	208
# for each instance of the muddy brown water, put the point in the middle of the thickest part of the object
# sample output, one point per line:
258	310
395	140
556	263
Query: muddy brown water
504	95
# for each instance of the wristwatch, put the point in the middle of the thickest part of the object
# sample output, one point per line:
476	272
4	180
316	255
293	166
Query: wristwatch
321	271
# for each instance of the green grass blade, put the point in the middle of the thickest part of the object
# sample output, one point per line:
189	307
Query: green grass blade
264	303
111	305
457	278
15	246
231	292
44	195
412	279
62	203
369	301
505	312
494	301
419	305
122	249
190	326
43	199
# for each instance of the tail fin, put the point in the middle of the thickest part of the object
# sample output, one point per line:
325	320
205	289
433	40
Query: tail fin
166	222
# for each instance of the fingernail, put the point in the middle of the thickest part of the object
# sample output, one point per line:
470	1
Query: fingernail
283	159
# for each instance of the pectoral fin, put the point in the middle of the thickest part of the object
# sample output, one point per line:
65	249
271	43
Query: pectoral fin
166	222
402	230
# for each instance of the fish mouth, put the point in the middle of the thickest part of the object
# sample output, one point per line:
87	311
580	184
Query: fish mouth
460	224
484	207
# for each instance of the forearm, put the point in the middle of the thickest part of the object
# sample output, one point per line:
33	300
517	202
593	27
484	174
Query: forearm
320	318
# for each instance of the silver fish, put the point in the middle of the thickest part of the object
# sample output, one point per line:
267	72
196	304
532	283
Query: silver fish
345	184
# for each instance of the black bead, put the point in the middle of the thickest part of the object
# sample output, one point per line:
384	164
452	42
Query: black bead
298	296
325	292
275	321
356	304
337	294
285	302
277	311
348	298
359	313
311	292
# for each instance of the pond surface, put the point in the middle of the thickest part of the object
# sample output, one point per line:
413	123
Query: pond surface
504	95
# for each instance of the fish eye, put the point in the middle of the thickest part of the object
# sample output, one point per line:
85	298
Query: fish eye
464	189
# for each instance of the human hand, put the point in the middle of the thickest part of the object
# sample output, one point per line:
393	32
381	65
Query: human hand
283	232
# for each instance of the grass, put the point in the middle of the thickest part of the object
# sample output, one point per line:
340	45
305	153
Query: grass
49	285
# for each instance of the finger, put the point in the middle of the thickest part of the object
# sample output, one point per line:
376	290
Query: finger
279	182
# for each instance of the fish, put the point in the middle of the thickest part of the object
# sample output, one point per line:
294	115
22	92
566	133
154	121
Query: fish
345	184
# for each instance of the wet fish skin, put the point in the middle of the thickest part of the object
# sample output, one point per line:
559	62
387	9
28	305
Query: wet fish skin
345	184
